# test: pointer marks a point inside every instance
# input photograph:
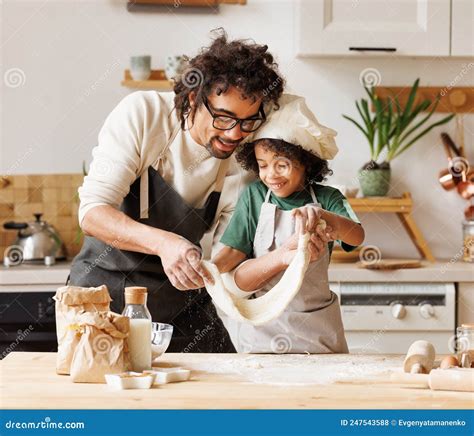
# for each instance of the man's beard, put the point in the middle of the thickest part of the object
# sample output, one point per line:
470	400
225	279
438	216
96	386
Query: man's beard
217	153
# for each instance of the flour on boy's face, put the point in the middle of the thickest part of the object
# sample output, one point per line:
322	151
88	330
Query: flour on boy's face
279	173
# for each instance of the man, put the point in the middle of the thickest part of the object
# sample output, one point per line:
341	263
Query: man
155	183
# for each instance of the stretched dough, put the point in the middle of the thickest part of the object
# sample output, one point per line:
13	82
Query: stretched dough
269	306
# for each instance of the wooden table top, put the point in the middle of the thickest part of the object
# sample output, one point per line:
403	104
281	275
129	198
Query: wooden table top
230	381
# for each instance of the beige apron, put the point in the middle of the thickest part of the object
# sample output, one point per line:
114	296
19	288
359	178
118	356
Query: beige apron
312	321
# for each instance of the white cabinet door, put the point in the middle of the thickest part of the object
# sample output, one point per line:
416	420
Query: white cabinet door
462	34
395	27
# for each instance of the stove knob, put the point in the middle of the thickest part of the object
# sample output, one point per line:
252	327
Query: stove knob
398	311
427	311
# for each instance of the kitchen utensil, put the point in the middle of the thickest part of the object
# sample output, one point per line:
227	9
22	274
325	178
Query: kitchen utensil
160	338
448	142
454	379
36	241
169	375
130	380
465	188
450	177
446	180
469	210
449	362
390	264
460	133
420	358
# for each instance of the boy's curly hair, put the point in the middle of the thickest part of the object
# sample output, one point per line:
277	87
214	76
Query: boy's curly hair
241	63
316	169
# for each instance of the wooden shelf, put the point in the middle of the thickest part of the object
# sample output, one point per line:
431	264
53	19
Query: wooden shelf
402	206
157	80
185	3
382	204
453	99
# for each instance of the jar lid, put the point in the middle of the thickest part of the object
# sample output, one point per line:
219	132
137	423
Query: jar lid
135	295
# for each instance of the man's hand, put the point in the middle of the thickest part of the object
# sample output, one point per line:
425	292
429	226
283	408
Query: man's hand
182	263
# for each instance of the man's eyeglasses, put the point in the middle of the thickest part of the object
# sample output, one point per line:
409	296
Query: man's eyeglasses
226	122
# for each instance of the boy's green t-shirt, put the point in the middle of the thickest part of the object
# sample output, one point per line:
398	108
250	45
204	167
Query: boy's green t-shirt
240	232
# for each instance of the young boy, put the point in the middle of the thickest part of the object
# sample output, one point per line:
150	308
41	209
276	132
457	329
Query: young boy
289	156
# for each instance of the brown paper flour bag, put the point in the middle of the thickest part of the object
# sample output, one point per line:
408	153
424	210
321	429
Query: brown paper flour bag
102	348
70	301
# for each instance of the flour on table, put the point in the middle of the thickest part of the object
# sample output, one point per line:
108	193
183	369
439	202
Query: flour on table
296	369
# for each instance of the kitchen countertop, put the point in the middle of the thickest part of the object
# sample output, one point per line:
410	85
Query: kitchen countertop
31	274
230	381
440	271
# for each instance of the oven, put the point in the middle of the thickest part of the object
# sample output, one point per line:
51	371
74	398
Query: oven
27	319
388	317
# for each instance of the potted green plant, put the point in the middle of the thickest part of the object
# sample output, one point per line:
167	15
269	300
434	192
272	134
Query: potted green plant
392	130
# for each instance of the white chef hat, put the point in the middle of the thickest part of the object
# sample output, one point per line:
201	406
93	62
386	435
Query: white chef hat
294	122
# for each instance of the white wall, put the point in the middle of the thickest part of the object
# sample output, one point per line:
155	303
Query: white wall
72	56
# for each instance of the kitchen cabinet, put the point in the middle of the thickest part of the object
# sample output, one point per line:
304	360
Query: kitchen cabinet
373	27
462	33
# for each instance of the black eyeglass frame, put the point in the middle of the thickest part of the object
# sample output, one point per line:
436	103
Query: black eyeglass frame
262	117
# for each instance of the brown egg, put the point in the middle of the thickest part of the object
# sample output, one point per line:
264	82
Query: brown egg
449	362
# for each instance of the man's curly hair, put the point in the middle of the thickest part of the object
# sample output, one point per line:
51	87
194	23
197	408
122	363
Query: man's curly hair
316	169
240	63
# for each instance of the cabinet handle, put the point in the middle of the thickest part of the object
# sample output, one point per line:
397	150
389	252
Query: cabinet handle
391	49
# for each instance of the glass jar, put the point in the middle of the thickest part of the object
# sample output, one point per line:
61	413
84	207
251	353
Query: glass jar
468	241
139	340
465	343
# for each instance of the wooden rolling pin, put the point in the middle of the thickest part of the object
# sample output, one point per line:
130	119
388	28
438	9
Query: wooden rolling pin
455	379
420	358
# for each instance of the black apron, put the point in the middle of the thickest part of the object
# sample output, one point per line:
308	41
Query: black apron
197	327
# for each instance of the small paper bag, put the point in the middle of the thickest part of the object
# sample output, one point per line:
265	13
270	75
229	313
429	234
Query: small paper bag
70	301
102	347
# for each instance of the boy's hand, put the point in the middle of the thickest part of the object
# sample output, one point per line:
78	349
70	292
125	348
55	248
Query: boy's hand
318	240
308	217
